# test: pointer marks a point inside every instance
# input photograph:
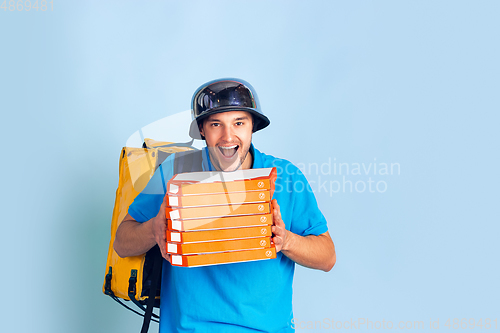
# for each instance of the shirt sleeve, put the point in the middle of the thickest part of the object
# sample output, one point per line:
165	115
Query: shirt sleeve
147	203
306	217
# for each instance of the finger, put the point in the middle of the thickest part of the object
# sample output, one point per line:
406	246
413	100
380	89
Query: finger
277	230
278	240
164	202
277	220
278	243
163	250
164	205
275	204
161	226
161	246
276	211
166	256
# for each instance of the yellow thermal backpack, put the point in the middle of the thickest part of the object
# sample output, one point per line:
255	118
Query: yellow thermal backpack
136	278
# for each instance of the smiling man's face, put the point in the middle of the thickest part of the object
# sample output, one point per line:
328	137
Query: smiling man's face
228	136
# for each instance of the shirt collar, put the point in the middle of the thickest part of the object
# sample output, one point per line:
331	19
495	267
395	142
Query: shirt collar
208	166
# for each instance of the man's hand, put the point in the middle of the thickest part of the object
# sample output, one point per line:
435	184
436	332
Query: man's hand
159	225
278	228
311	251
134	238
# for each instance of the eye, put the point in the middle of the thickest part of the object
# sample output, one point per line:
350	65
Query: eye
214	124
239	123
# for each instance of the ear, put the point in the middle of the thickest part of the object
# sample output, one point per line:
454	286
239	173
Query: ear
202	131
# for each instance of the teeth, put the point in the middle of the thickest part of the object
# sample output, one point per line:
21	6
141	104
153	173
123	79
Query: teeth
228	152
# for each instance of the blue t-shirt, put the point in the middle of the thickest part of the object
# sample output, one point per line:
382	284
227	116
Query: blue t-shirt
240	297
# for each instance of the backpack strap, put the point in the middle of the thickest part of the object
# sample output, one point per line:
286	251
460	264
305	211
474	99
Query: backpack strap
188	161
178	144
157	268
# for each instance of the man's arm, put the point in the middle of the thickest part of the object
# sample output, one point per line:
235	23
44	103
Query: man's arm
134	238
311	251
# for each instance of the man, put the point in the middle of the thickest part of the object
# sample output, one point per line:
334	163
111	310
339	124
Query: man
240	297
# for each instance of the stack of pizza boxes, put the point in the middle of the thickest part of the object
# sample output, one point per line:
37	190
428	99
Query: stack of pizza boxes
220	217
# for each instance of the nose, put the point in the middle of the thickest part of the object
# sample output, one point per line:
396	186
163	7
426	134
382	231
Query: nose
227	134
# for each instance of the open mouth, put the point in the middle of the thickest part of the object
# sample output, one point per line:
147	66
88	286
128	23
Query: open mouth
228	151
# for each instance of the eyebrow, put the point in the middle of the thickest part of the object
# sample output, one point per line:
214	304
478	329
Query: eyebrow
235	119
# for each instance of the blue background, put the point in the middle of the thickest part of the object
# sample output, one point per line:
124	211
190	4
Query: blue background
407	82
